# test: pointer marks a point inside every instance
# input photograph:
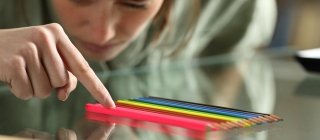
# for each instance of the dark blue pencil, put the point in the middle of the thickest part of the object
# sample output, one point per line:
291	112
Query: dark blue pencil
197	107
219	107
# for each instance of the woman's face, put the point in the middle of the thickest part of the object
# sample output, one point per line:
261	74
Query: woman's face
101	29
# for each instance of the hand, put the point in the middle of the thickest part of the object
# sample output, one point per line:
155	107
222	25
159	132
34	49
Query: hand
34	60
102	132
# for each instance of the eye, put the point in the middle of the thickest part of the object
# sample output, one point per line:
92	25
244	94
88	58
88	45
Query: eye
83	2
135	4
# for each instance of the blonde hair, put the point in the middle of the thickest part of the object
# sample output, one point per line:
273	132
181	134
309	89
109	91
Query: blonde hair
162	22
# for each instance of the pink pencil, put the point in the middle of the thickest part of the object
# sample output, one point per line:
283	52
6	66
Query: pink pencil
152	117
147	125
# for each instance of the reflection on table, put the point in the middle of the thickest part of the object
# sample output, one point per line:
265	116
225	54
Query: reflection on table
262	82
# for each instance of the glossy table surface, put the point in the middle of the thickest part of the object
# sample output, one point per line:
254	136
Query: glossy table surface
269	81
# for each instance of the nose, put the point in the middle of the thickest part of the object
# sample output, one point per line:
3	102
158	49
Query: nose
102	26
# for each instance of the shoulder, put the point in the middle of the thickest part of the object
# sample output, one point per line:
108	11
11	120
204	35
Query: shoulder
226	25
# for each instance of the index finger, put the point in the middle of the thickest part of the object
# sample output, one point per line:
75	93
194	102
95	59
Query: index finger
78	66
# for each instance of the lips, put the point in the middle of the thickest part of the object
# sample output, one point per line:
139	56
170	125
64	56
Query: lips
95	48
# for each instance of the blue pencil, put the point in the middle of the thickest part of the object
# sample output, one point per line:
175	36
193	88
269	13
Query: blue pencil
205	105
198	107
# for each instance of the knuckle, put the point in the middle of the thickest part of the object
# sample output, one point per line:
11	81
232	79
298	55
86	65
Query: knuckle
30	50
43	89
25	96
17	63
16	68
40	31
37	30
60	82
43	34
44	93
55	27
47	92
84	67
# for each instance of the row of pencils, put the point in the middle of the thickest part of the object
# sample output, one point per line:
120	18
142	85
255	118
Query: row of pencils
184	114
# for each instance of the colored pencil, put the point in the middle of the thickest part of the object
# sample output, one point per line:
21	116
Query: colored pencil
184	111
150	116
201	107
210	108
184	114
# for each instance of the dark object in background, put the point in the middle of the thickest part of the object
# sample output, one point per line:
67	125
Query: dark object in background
309	59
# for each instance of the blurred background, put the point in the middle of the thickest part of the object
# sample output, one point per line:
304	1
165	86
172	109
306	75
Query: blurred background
298	24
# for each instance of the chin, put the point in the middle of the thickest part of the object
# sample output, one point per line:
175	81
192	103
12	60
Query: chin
101	57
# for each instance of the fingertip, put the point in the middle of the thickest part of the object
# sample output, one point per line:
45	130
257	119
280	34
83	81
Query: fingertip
106	100
110	105
62	94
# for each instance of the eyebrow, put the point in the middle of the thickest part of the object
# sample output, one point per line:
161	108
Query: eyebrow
138	0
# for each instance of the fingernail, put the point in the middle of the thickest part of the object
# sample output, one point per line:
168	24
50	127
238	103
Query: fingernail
66	95
110	105
63	95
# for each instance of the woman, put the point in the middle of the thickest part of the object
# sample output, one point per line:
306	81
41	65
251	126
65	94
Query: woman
116	34
44	57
